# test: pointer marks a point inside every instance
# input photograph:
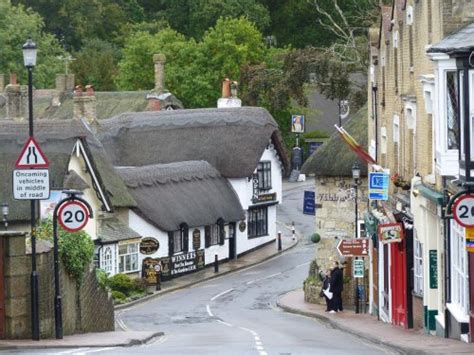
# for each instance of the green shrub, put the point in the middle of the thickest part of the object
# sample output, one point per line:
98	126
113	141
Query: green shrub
102	279
315	238
118	296
122	283
139	285
76	250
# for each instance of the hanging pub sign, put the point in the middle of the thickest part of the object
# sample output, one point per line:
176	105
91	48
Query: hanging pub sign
149	245
242	226
390	232
149	270
265	198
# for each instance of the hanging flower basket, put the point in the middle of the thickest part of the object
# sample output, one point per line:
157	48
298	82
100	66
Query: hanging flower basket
400	182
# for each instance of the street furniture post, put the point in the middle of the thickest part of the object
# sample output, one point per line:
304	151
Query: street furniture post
216	263
279	241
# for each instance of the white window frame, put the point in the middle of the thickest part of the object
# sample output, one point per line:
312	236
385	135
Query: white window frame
130	254
459	269
107	260
418	278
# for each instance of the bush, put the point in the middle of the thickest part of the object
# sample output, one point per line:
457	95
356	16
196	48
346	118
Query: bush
139	285
315	238
102	279
122	283
119	296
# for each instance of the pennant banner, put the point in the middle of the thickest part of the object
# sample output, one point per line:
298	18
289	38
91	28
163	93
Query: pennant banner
356	147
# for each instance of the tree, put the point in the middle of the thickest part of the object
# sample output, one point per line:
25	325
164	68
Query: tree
16	24
96	64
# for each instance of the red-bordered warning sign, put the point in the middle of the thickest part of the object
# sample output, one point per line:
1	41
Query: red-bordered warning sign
32	156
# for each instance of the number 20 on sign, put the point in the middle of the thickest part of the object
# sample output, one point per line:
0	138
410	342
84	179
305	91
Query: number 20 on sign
73	216
463	210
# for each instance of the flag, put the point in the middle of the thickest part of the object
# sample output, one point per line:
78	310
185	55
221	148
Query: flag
356	147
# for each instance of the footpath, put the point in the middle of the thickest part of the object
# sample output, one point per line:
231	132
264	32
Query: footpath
369	328
122	338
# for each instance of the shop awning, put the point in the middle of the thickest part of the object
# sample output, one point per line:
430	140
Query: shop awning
430	194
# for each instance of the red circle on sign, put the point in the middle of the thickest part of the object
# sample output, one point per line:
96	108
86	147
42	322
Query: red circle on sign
73	216
459	203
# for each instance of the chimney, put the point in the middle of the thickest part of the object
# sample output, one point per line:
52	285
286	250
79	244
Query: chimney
229	95
85	104
64	87
2	82
153	97
17	100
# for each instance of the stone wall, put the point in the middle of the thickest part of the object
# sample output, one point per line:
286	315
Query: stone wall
87	308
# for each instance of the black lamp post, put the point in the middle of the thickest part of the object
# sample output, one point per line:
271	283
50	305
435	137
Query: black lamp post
29	60
356	177
5	211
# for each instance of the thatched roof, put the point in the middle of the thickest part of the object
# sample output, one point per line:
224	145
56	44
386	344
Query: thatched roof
335	158
72	181
113	230
232	140
190	192
57	139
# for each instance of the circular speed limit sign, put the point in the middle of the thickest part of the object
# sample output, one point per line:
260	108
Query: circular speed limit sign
463	210
73	216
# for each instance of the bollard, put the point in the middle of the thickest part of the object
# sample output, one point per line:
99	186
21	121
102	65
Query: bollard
279	241
293	230
216	263
158	281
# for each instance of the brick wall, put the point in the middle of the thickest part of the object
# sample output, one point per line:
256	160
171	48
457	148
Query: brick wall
87	308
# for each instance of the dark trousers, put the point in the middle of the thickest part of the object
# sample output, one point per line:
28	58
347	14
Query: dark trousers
328	304
336	302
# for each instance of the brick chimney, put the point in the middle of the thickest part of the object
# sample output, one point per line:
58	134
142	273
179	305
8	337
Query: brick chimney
229	95
154	102
17	100
85	104
64	87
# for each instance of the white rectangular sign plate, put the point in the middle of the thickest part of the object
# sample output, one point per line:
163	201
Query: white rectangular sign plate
31	184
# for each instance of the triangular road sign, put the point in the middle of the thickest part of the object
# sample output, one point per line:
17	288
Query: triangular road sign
31	156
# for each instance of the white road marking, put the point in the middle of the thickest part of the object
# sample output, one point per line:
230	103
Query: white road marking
97	350
221	294
304	264
121	324
72	351
258	342
209	310
222	322
263	278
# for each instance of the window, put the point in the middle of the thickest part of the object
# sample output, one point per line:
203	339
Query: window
264	173
258	222
214	234
452	107
459	277
417	267
178	241
107	262
128	257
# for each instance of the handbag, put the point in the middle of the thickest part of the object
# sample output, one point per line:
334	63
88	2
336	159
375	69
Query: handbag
328	293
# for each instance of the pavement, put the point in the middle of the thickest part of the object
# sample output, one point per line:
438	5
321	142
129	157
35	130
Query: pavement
369	328
122	338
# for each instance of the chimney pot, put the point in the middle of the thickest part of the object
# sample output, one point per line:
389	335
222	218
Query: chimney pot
226	88
13	79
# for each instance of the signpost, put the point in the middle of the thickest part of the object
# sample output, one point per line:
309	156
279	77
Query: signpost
378	186
353	247
308	203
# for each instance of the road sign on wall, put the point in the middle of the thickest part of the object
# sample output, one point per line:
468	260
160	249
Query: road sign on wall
308	203
353	247
378	186
463	210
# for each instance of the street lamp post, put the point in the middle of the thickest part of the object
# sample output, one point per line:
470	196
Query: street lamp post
29	59
356	177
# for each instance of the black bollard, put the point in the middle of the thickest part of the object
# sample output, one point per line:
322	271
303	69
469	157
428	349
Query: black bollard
279	241
158	281
216	263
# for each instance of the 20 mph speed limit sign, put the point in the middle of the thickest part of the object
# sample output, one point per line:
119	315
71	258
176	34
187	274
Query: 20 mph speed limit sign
463	210
73	216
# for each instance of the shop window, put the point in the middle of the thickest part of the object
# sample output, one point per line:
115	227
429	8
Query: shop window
459	275
107	260
417	267
452	107
128	257
258	222
264	173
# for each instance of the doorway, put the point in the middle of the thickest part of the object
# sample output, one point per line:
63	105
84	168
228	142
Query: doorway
232	241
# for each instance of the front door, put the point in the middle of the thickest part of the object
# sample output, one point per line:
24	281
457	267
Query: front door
232	241
398	278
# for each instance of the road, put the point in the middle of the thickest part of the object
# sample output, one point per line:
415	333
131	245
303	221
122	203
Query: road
237	313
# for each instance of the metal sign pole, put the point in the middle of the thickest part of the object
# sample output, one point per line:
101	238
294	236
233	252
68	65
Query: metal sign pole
58	315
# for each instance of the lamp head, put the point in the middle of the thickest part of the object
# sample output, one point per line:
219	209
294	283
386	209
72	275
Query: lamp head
356	171
29	53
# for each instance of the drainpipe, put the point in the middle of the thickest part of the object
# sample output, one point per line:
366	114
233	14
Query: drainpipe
375	113
447	258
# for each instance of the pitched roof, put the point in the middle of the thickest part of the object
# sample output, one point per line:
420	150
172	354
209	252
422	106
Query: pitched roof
113	230
231	139
57	139
461	41
191	192
335	158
